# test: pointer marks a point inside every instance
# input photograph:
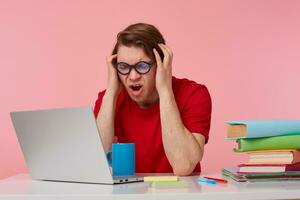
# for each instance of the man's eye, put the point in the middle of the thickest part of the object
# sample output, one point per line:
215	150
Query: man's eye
142	66
122	66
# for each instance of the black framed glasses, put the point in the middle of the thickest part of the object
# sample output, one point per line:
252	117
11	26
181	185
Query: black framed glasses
142	67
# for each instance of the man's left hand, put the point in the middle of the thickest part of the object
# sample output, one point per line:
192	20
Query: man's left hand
164	70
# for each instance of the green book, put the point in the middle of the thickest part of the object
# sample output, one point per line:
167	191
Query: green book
268	143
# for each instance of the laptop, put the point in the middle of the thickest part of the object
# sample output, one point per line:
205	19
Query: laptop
64	145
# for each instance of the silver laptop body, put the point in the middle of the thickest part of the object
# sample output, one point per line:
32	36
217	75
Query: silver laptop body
64	145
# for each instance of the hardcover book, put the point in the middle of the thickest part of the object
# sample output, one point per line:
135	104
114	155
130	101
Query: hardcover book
261	128
233	173
269	143
284	156
268	168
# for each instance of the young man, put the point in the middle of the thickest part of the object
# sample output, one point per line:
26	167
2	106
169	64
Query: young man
167	118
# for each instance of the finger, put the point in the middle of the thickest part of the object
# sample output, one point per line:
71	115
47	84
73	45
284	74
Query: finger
157	57
110	58
168	49
165	52
110	63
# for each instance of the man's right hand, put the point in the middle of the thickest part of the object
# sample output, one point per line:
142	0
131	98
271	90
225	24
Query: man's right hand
114	85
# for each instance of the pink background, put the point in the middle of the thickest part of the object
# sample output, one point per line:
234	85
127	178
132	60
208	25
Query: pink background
246	52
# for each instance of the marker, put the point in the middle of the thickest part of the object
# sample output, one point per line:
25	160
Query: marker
216	179
205	180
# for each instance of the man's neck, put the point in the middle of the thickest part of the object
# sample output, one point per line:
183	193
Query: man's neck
147	104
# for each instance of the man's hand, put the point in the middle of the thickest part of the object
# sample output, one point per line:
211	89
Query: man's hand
164	70
114	85
183	149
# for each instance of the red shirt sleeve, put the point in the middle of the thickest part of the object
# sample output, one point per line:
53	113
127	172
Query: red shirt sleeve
196	114
98	103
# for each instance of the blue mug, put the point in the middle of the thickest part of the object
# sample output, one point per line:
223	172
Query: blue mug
122	159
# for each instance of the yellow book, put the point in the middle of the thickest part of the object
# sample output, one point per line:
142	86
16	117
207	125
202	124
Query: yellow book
160	178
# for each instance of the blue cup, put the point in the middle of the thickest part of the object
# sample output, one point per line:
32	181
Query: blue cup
122	159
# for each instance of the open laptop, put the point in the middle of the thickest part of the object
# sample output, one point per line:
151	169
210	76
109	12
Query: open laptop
64	145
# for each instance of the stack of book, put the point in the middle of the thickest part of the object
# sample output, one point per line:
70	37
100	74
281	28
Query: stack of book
272	146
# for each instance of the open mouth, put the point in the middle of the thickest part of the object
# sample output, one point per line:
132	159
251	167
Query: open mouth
135	87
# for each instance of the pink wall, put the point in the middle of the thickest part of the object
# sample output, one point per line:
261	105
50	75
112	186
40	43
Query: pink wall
246	52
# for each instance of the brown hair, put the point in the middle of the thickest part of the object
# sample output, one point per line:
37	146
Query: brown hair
145	36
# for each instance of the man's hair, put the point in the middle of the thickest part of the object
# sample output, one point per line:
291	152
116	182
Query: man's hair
145	36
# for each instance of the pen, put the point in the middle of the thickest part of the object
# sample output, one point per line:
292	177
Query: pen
216	179
205	180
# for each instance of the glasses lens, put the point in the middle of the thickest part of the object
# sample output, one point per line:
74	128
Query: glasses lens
123	68
142	67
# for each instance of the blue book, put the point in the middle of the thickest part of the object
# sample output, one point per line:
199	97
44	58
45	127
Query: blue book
261	128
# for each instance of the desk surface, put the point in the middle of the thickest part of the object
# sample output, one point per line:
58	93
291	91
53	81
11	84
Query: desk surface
23	187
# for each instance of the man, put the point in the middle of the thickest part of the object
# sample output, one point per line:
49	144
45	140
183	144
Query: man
167	118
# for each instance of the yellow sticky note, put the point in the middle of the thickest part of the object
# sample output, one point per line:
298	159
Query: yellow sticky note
160	178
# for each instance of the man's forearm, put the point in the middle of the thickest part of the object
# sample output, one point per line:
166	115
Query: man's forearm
105	119
182	149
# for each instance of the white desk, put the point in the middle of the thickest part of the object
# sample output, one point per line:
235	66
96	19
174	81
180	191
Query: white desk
23	187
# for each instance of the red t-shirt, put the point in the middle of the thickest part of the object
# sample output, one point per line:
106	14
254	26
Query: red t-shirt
143	126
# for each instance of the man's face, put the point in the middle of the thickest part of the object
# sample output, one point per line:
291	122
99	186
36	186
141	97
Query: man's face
141	88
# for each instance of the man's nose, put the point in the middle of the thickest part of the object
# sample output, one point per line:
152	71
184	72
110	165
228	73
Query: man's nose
133	75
